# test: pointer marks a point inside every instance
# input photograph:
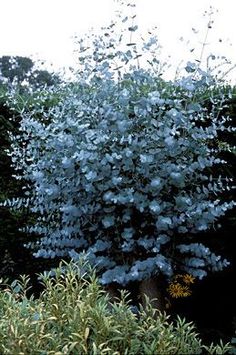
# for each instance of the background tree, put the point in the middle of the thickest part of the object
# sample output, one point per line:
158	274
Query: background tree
15	68
22	70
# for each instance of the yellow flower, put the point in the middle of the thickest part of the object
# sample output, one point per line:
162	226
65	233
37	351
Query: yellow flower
177	290
188	279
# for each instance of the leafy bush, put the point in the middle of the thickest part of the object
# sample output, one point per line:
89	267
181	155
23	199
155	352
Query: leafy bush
9	188
74	316
122	170
14	258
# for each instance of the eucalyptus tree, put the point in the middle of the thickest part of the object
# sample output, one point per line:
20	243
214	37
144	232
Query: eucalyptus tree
122	171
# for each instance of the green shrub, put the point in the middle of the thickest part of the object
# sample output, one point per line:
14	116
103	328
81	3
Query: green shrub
74	316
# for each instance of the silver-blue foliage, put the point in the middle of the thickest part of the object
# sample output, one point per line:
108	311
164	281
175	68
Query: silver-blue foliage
122	168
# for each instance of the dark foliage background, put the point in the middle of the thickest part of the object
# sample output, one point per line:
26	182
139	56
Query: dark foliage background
212	305
15	259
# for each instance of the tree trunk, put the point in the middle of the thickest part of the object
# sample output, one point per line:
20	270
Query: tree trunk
113	293
150	289
147	289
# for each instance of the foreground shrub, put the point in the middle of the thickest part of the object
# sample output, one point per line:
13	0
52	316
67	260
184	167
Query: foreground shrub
74	316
